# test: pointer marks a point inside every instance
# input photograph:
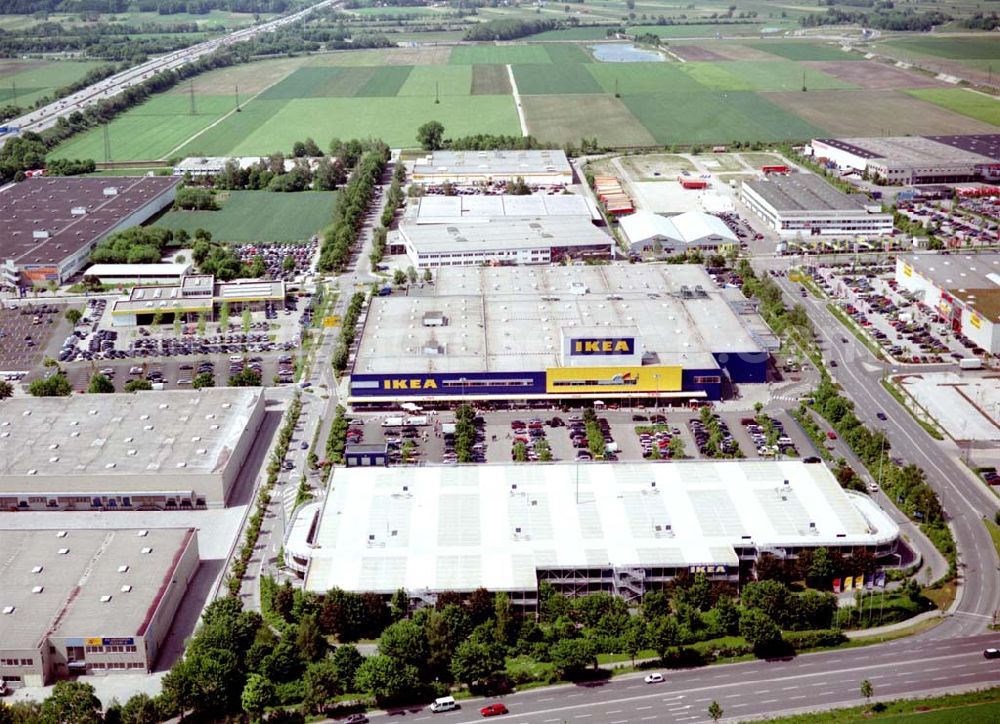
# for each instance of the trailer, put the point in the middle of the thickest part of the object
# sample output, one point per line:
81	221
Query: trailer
417	420
970	363
393	422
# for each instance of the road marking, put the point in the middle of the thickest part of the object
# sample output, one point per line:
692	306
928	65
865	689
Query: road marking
614	711
643	708
770	701
647	718
582	716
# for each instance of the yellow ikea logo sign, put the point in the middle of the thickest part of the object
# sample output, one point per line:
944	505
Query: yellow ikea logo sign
409	384
617	345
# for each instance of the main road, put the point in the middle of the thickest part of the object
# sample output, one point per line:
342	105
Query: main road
46	117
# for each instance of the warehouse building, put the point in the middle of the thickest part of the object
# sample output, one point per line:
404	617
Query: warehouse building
86	602
504	336
49	225
115	274
910	160
963	290
194	297
803	204
162	450
692	230
483	168
483	207
623	528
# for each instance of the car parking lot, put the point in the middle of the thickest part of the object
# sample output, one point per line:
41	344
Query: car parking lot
895	320
953	221
25	333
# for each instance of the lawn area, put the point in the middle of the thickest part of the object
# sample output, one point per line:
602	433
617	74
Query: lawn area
259	216
448	80
149	131
994	530
969	103
803	50
539	80
637	78
498	54
972	708
954	48
762	75
717	117
394	120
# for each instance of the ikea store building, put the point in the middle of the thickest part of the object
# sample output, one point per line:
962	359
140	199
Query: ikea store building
557	335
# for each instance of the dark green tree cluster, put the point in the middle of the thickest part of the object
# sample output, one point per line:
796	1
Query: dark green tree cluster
465	433
55	385
394	199
347	325
351	205
884	18
509	29
336	442
246	377
138	245
193	198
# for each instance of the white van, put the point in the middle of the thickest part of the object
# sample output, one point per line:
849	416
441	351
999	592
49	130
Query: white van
445	703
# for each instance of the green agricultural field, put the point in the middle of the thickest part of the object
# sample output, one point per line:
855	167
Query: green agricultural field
762	75
150	131
396	11
425	81
969	103
583	32
498	54
709	117
259	216
489	80
708	30
34	79
568	53
220	139
803	50
953	48
562	119
639	78
320	82
385	82
537	80
394	120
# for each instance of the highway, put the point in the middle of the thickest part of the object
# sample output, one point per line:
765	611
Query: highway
905	667
46	117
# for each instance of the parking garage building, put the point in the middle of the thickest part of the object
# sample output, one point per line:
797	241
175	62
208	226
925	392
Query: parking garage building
623	528
194	297
89	602
558	335
152	450
963	290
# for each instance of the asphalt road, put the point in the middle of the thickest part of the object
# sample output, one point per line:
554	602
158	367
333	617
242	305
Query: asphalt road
46	117
813	681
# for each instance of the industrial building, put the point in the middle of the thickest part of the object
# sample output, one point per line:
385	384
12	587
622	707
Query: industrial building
480	208
963	290
85	602
477	168
544	334
165	450
196	296
692	230
621	528
115	274
199	166
803	204
49	225
914	159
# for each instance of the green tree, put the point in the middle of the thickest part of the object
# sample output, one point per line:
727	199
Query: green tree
136	385
258	694
727	614
474	662
572	656
245	378
759	630
399	277
399	605
203	379
56	385
428	276
310	640
224	315
73	316
322	684
655	604
771	597
288	263
141	709
430	136
405	642
6	389
715	711
635	637
347	660
71	702
99	384
520	452
664	635
388	680
867	691
506	622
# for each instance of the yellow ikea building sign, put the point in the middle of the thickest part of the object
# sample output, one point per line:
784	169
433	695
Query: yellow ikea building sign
562	380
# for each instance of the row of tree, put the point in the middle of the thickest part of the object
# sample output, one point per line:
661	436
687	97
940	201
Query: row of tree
889	19
347	325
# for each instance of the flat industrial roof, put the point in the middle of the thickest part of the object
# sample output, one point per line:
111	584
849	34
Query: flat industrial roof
973	278
462	527
498	234
74	211
122	435
500	163
510	318
803	192
910	150
448	209
75	568
197	292
138	270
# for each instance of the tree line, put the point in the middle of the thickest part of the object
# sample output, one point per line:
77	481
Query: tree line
888	19
509	29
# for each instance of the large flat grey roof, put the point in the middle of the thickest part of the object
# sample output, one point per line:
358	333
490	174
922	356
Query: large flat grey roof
958	271
123	435
498	234
803	192
510	318
501	163
910	150
458	528
481	207
72	582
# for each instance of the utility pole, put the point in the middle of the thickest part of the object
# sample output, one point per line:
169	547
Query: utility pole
437	93
13	87
237	99
107	144
194	111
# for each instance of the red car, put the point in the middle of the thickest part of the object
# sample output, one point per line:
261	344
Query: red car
493	709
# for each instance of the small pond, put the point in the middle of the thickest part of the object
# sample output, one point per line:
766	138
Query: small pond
625	53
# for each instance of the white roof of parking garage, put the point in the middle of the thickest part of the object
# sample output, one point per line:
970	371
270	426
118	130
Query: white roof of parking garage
511	318
462	527
480	208
173	432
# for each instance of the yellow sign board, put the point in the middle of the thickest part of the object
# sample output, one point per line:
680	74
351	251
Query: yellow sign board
975	321
331	321
562	380
907	270
93	642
